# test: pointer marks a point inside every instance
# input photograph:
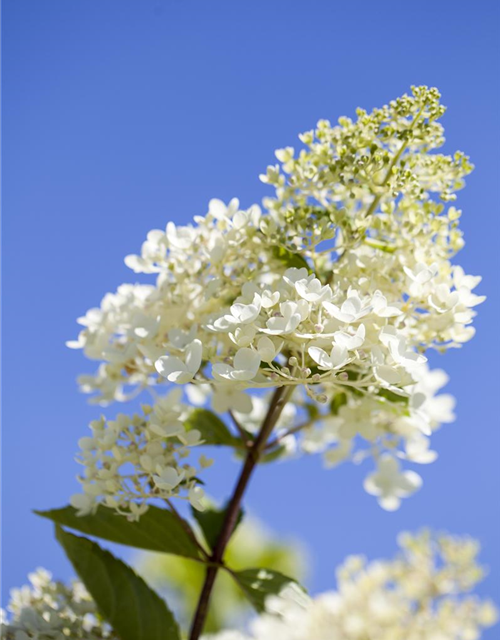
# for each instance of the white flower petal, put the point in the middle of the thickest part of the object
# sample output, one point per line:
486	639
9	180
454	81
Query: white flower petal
320	357
168	365
193	356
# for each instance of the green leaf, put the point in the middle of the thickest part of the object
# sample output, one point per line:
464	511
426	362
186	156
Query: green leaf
290	259
211	521
273	455
213	430
157	530
354	375
382	246
312	410
258	584
393	397
338	400
133	609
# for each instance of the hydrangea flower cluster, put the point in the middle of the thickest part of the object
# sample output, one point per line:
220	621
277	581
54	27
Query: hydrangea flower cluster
337	287
420	594
359	426
130	460
48	610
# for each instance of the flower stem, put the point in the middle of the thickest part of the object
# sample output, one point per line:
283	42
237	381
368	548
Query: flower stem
278	401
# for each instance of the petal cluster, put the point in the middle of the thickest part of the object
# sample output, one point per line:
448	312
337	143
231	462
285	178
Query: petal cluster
422	593
50	610
389	428
337	288
133	459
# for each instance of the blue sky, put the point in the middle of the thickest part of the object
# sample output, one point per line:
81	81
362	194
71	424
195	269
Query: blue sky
121	115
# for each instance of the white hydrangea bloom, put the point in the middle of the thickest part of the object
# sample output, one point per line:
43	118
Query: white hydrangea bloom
130	460
421	594
389	484
49	610
336	288
175	370
386	427
224	281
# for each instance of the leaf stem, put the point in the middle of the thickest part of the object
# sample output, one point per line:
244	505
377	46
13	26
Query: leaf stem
278	401
187	528
243	434
274	443
394	162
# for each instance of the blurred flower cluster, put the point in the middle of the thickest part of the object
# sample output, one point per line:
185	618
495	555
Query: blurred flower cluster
420	595
48	610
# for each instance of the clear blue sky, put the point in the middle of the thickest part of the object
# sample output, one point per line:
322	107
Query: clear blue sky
120	115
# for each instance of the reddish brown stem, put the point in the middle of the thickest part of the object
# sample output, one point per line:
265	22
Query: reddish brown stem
276	406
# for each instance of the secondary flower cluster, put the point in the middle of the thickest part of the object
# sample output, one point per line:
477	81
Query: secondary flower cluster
199	268
418	595
131	460
421	594
338	287
48	610
390	427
